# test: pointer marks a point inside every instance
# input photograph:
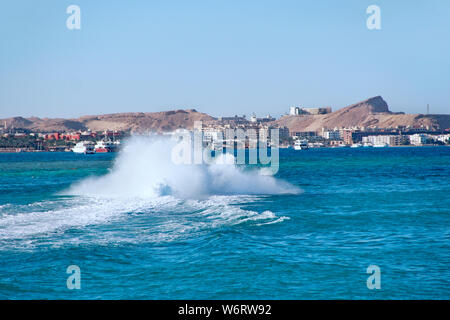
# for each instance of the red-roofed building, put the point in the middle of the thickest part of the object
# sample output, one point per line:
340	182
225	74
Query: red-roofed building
52	136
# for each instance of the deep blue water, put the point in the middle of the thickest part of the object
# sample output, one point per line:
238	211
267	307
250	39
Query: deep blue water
388	207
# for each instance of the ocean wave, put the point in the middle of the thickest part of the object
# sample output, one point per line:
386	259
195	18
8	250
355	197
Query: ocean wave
144	168
107	221
145	197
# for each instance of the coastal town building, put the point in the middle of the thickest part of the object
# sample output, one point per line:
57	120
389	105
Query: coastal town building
76	136
346	136
304	134
254	119
232	120
444	138
293	111
283	133
331	135
242	134
336	143
390	140
418	139
20	134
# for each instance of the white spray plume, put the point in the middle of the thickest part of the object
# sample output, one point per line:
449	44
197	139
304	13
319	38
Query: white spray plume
144	168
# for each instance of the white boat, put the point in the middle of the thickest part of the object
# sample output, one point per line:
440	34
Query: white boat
356	145
380	145
86	147
103	146
315	145
300	145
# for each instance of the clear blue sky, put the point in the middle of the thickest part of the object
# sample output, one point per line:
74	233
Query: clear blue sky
223	57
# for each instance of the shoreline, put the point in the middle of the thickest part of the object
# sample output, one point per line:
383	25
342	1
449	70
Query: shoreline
19	150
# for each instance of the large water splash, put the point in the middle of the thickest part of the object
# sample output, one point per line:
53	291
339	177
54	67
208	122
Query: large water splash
172	201
144	168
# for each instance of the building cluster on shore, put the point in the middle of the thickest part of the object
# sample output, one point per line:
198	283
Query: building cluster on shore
360	136
215	133
371	136
20	140
242	132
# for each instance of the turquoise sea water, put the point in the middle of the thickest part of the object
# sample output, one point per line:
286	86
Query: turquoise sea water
309	234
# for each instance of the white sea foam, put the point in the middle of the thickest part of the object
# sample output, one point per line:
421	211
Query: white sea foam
149	197
136	220
144	169
23	224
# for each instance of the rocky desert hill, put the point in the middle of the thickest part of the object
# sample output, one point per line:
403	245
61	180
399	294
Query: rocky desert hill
132	121
370	112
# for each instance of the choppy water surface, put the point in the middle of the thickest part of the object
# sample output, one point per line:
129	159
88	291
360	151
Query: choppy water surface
140	227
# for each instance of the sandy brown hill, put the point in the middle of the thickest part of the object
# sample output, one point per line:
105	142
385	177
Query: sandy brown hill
370	112
17	122
141	122
135	122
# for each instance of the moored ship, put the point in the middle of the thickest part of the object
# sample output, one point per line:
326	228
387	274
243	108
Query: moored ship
106	146
86	147
300	145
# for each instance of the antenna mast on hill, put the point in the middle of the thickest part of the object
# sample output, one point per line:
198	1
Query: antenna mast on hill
428	109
